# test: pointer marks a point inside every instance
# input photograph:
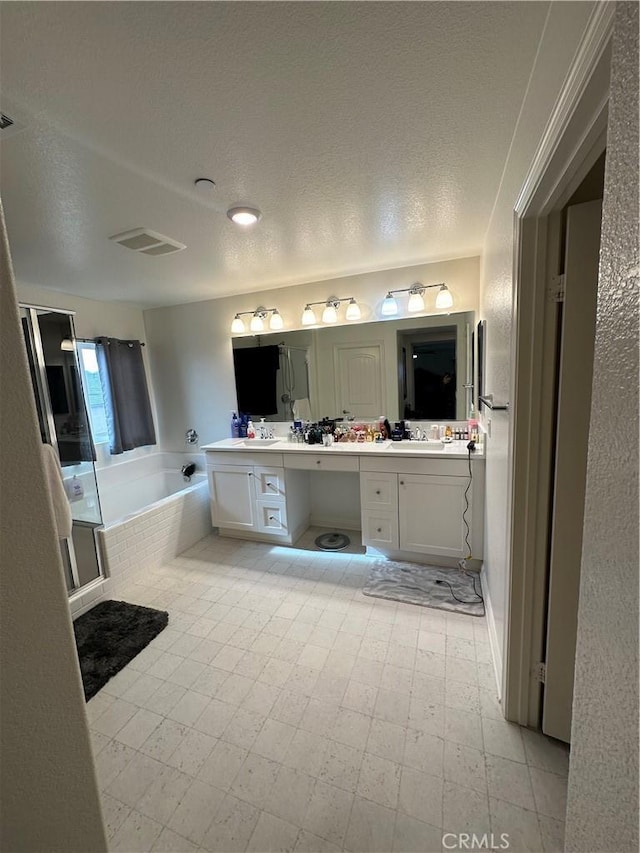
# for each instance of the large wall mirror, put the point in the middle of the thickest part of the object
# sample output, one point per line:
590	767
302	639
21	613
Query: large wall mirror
417	368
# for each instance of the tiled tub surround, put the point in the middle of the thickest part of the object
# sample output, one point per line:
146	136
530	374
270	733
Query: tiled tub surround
283	710
151	514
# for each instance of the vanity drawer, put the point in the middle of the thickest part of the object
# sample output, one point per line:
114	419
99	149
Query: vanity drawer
379	491
401	464
326	461
271	517
268	483
380	529
243	457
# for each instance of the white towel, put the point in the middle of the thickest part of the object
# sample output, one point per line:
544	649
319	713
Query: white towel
61	508
302	409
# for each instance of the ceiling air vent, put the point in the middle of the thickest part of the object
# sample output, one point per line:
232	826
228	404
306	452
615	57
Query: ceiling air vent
147	242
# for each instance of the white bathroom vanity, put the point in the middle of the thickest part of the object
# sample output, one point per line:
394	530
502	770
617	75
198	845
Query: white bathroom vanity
415	501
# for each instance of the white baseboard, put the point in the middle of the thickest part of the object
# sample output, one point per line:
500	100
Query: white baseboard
494	644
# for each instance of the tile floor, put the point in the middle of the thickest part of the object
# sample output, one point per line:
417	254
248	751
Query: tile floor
283	710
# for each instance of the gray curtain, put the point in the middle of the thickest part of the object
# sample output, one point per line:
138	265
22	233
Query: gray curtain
124	384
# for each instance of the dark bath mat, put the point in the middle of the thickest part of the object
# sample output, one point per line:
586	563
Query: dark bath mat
110	635
427	586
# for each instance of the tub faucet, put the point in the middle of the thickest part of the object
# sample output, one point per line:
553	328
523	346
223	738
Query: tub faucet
191	437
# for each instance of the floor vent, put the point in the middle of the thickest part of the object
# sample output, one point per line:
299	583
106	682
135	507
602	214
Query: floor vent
148	242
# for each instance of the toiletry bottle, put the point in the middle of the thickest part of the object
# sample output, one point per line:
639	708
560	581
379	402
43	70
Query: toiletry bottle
447	432
235	426
243	426
472	425
263	429
251	430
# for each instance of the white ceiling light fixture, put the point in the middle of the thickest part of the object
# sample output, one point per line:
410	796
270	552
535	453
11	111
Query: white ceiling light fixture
245	216
308	316
389	306
257	322
444	299
66	345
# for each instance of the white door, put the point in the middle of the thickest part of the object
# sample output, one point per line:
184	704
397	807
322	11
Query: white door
431	511
232	497
360	381
572	437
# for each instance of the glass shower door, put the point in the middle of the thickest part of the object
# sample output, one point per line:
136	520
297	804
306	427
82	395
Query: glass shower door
62	416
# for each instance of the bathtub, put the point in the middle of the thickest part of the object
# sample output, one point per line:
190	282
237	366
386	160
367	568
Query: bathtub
150	513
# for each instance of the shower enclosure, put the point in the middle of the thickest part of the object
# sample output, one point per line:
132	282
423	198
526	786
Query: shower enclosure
59	396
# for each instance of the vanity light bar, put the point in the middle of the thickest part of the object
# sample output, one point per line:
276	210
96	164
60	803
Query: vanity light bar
257	320
330	310
444	299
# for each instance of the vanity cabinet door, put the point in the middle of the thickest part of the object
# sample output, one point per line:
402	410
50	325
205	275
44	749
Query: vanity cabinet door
431	510
232	496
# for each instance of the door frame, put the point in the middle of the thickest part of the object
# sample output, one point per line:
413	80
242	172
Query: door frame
574	139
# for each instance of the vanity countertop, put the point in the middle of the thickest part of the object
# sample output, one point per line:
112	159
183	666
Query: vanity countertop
452	450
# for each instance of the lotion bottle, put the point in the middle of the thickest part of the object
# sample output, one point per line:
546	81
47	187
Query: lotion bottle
251	430
235	426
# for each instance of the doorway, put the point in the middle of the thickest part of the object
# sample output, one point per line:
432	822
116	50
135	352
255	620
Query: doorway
564	177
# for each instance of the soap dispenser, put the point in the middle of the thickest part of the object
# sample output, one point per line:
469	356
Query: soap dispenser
251	430
235	426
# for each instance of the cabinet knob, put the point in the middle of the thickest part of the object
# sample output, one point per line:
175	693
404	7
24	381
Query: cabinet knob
402	482
249	473
377	491
270	485
272	518
379	530
317	461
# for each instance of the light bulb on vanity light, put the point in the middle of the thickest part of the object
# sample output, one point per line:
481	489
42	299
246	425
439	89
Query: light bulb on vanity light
329	314
389	306
416	300
444	299
275	321
308	316
237	325
353	310
257	323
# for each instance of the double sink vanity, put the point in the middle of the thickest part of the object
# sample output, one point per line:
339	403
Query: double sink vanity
412	494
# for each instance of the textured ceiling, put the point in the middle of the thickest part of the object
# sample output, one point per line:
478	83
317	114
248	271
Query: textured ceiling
371	135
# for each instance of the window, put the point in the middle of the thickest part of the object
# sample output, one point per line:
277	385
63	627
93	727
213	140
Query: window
93	392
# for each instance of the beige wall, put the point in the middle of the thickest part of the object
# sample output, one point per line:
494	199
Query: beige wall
602	811
190	345
49	792
565	26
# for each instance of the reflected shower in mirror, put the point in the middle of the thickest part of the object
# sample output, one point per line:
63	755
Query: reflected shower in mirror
414	368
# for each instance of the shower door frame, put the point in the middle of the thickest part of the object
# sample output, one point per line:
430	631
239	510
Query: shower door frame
44	400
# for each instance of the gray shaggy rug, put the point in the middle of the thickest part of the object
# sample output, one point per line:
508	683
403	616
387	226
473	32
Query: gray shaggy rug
428	586
110	635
